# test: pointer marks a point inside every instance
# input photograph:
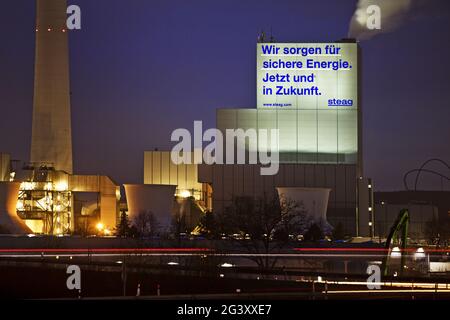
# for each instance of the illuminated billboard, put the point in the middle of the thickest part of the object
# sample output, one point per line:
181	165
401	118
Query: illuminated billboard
309	92
307	75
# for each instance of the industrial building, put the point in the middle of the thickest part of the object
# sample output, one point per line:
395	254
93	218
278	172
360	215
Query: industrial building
320	147
48	198
320	152
190	198
429	213
159	169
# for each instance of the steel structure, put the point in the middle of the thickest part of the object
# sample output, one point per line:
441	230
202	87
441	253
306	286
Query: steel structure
422	169
45	196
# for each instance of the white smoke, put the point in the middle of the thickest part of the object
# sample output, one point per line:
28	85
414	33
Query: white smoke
394	13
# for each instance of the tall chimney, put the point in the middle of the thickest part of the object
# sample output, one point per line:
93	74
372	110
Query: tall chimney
51	140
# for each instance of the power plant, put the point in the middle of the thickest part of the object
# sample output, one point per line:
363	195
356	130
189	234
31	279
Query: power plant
45	196
320	150
238	155
50	198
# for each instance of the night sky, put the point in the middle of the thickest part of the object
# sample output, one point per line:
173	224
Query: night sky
140	69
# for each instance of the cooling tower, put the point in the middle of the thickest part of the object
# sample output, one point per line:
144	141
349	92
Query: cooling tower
157	199
9	221
314	200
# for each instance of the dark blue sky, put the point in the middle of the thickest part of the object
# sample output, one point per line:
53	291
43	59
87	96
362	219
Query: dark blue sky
141	68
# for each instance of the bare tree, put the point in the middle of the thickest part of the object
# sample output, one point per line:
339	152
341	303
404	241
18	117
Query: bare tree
146	224
263	225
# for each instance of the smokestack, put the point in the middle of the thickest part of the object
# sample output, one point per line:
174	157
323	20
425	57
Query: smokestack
51	140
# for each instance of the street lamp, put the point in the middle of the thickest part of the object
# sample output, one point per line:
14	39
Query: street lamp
100	226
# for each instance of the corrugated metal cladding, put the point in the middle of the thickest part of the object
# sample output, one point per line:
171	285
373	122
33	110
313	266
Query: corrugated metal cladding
159	169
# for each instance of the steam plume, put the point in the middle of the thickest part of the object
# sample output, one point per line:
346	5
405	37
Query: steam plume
394	13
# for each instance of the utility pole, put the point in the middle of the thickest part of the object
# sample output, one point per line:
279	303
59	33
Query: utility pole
124	278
